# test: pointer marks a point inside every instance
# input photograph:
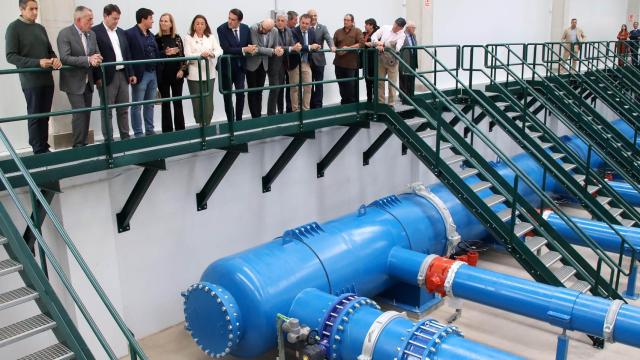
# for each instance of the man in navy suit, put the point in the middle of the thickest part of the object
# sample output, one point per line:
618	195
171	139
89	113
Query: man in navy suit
235	39
143	46
113	45
300	64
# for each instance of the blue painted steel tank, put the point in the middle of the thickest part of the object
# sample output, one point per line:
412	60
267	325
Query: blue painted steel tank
344	323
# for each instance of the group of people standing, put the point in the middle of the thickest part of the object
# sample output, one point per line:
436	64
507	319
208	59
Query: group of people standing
628	44
286	50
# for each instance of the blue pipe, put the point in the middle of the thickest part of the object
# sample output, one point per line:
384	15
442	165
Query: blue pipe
566	308
626	192
345	324
349	254
598	232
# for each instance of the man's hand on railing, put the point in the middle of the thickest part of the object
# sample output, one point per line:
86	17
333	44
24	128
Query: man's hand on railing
95	60
46	63
279	51
333	48
296	48
314	47
250	50
56	64
133	80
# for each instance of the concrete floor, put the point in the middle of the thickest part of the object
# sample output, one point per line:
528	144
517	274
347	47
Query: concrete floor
516	334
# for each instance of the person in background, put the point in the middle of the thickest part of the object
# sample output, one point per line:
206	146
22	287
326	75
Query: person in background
292	22
572	37
235	39
346	63
370	27
319	61
634	42
171	74
264	36
78	48
621	46
201	42
278	68
305	40
143	46
391	36
27	46
409	56
292	19
113	46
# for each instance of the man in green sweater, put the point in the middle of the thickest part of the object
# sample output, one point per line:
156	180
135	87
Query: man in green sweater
28	46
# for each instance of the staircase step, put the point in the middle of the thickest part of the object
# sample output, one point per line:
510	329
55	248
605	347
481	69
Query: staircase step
627	222
568	166
494	199
427	133
452	160
3	240
54	352
549	258
615	211
522	228
482	185
534	134
505	214
467	172
579	178
603	200
25	328
414	122
581	286
17	297
564	273
545	145
557	156
591	189
9	266
535	242
445	145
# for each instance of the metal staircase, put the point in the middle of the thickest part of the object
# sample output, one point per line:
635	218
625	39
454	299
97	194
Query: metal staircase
493	200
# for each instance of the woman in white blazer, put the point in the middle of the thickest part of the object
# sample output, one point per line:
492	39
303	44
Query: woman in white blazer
201	42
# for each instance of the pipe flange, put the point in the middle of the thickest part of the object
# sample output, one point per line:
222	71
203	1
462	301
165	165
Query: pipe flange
610	320
425	339
370	341
422	274
448	283
453	238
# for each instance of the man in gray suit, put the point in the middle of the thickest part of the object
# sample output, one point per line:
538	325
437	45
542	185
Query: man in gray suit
265	37
278	65
77	47
318	59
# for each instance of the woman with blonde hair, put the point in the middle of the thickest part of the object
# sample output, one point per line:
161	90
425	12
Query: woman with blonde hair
171	74
201	42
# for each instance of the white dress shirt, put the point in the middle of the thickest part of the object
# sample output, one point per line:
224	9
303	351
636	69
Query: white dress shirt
115	43
194	46
386	34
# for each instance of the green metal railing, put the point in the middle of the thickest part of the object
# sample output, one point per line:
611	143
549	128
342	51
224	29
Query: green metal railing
495	63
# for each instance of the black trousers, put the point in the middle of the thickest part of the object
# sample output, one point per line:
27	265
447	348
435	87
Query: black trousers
634	53
347	88
285	94
237	80
169	86
39	100
317	74
256	79
408	84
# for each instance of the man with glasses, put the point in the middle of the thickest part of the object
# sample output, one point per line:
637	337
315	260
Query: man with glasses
346	62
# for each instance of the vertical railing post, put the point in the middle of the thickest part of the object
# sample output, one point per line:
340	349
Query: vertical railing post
514	202
203	138
104	104
36	220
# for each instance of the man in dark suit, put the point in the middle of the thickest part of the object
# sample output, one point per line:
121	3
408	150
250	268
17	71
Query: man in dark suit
143	46
410	56
278	66
300	64
319	61
113	45
78	47
235	39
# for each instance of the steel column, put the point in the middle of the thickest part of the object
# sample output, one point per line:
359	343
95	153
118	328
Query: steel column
138	192
218	174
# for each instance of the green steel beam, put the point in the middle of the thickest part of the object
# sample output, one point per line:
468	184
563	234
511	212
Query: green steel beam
38	215
339	146
138	192
218	174
283	160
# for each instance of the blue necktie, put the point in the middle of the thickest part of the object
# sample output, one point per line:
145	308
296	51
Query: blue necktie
305	42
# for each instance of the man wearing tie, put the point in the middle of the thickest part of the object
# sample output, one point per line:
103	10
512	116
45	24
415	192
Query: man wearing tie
78	48
318	60
409	56
235	39
634	39
300	64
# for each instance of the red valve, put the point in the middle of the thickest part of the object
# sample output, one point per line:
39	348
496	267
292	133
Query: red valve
439	269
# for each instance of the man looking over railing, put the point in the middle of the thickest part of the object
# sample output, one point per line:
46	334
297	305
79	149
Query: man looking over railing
634	39
391	36
28	46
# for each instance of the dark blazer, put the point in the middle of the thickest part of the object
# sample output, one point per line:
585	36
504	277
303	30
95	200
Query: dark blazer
322	35
74	80
136	40
294	58
109	54
231	46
